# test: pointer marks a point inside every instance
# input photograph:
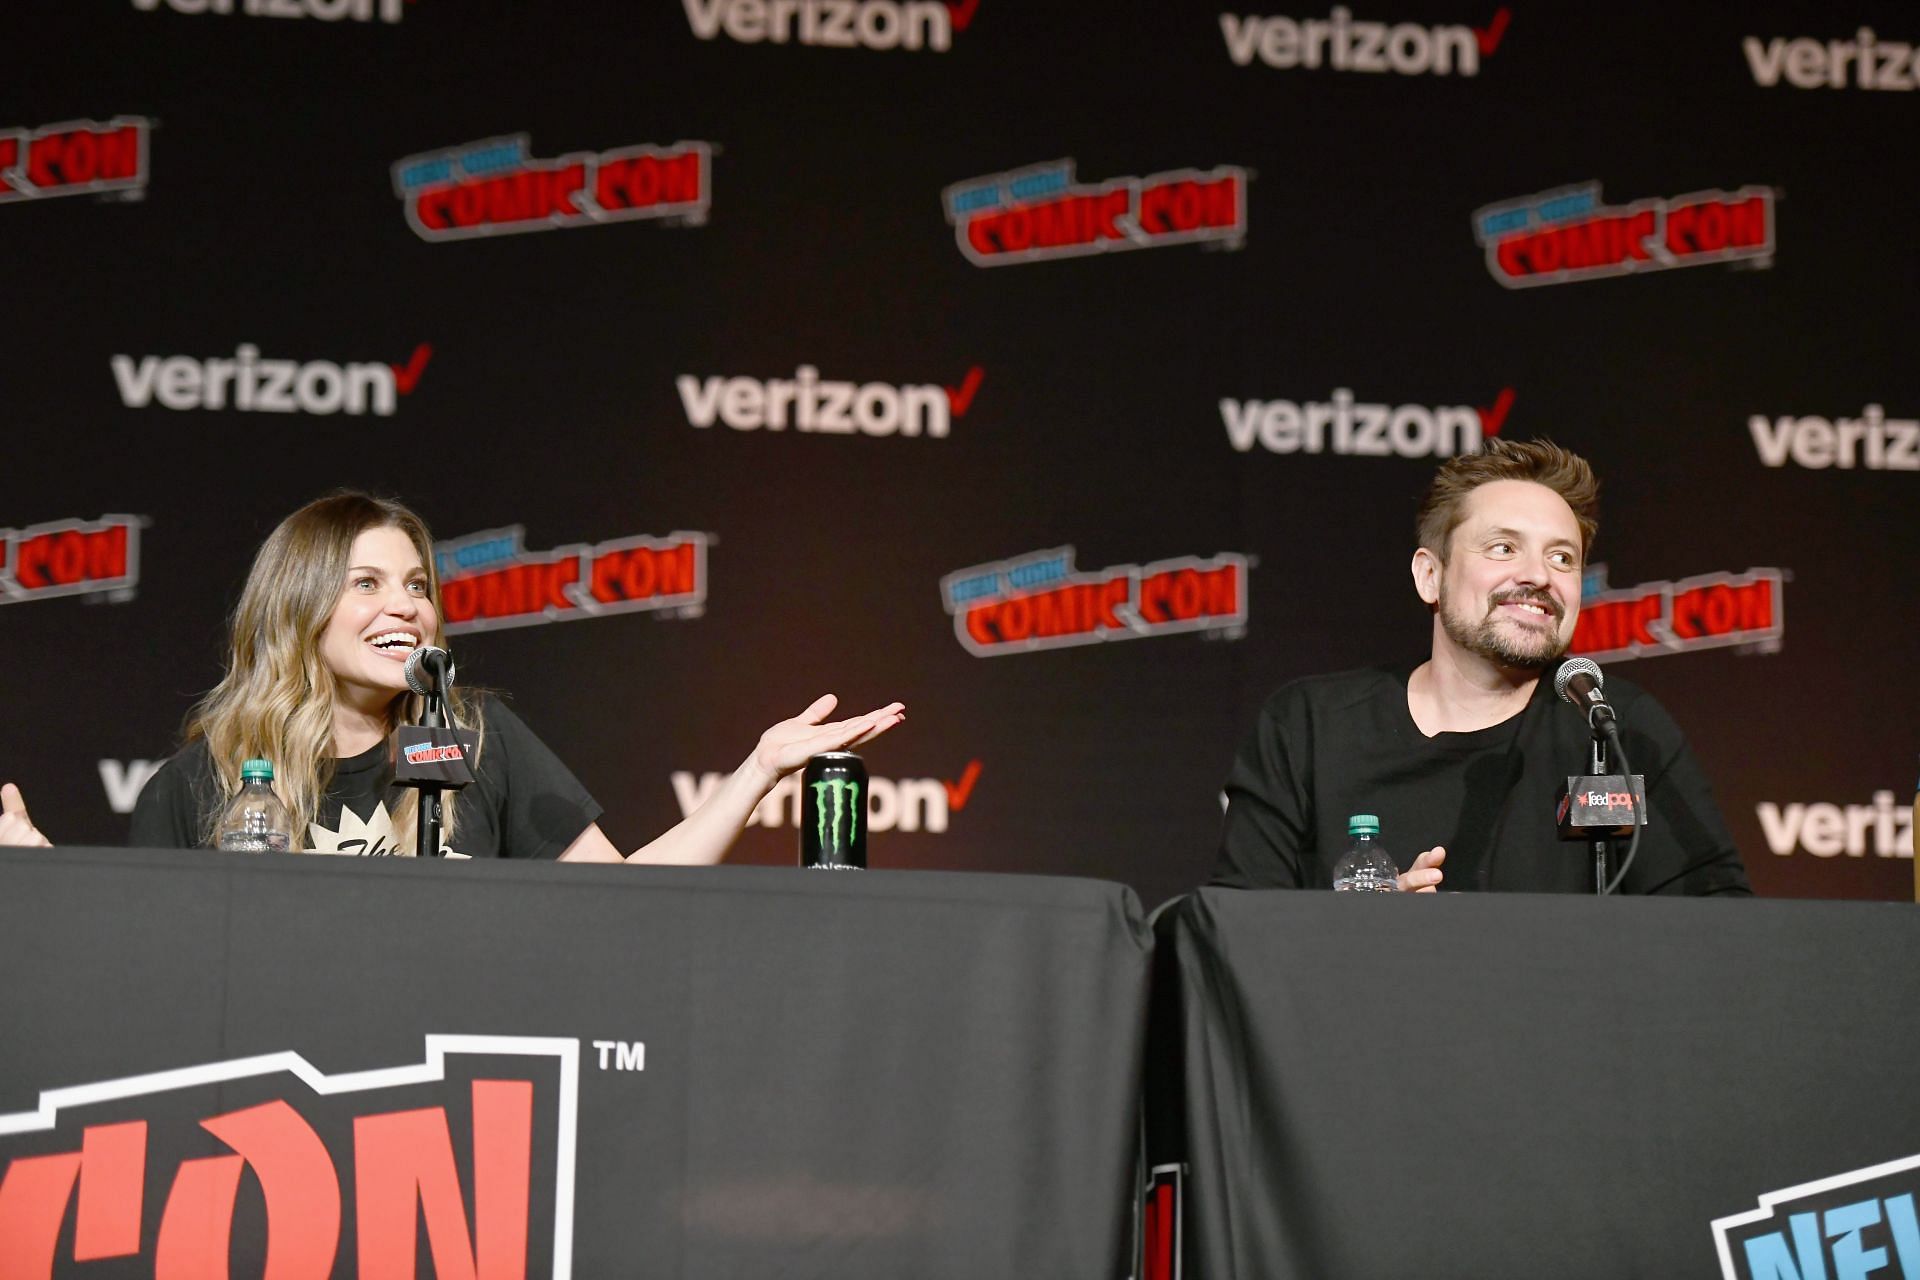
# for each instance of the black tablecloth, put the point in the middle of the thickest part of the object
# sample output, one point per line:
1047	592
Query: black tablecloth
844	1074
1492	1086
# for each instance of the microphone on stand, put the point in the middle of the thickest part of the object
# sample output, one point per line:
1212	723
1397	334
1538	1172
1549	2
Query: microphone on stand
1579	682
429	671
434	756
1600	803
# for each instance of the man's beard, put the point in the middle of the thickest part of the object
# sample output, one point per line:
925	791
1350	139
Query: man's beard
1528	650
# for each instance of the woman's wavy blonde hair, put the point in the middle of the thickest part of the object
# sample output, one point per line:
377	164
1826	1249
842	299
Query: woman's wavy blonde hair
276	699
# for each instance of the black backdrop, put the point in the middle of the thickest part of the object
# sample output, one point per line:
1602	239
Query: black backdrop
549	396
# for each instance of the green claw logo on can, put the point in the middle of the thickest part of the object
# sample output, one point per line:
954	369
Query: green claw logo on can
846	795
833	796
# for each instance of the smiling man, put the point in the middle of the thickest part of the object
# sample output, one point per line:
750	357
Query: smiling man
1463	756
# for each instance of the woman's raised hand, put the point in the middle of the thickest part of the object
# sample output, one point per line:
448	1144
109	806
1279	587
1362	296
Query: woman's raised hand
15	826
786	746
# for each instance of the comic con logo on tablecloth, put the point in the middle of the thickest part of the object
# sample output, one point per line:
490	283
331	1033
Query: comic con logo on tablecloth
927	25
1569	234
1853	1224
1041	601
1710	611
809	403
252	383
1043	212
1347	425
1863	62
477	1142
491	580
71	558
76	158
1871	442
496	187
1342	42
387	11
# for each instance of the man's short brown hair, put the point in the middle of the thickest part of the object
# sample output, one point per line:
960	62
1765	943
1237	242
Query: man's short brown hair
1541	461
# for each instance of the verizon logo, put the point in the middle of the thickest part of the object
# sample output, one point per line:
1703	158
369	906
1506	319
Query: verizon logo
1881	828
807	402
905	804
1344	425
1872	441
324	10
1342	43
1863	63
832	24
249	383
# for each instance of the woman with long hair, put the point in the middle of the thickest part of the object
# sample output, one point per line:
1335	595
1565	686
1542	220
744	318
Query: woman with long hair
340	594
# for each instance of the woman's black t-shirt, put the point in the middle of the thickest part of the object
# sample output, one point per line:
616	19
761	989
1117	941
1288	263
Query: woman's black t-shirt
522	803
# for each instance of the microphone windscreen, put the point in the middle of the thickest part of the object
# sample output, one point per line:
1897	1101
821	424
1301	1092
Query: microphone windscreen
420	681
1576	667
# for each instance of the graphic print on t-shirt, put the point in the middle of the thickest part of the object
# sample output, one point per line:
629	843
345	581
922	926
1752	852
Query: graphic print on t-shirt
372	838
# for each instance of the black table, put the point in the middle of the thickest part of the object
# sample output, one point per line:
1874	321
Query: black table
1491	1086
726	1072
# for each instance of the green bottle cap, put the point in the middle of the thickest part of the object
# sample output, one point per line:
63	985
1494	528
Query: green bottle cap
251	769
1363	824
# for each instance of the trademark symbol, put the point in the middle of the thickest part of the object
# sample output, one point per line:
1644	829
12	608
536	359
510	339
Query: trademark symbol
622	1055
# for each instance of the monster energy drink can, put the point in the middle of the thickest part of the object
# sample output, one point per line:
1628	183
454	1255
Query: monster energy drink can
833	812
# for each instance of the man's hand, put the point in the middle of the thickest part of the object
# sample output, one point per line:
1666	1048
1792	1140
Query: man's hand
15	826
1424	875
786	746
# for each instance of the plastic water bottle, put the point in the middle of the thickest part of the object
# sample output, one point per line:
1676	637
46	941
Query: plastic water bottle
1365	867
255	820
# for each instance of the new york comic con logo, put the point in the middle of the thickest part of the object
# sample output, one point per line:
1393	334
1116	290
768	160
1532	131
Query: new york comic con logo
71	558
1710	611
494	1114
1568	235
1852	1225
1042	212
490	580
495	187
1040	601
76	158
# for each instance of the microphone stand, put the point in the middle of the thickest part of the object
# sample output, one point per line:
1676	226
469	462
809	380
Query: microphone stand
1597	762
427	835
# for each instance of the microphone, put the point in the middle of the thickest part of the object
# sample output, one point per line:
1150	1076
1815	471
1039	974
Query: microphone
1579	681
429	671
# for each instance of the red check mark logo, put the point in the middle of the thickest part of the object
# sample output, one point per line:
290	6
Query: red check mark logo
1491	420
962	11
958	793
407	376
961	397
1489	36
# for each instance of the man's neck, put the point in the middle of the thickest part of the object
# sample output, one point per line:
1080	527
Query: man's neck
1458	692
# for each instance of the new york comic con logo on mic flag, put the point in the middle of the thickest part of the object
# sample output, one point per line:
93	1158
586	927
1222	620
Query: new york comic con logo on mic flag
365	1156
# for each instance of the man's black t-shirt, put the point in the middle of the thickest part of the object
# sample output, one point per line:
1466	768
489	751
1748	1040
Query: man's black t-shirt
1329	747
522	803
